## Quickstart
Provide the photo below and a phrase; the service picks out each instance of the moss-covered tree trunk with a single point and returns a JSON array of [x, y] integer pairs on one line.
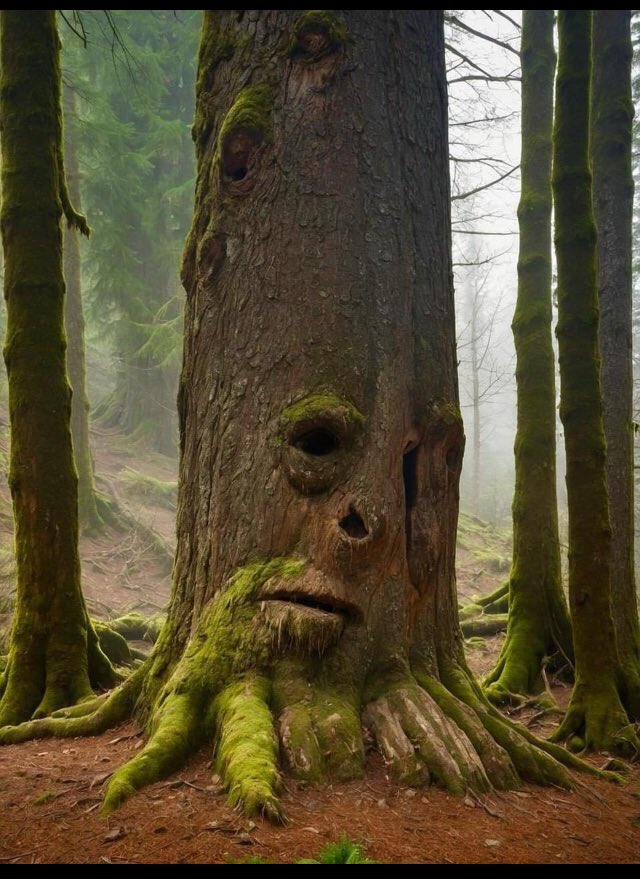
[[611, 139], [596, 717], [89, 516], [539, 625], [53, 655], [321, 440]]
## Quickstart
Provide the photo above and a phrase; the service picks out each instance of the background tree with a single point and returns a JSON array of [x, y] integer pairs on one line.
[[321, 441], [596, 717], [88, 514], [611, 139], [53, 658], [539, 624], [136, 159]]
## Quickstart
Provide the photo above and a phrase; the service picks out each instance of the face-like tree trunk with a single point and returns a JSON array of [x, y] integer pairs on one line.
[[539, 624], [611, 138], [596, 717], [320, 436], [53, 653]]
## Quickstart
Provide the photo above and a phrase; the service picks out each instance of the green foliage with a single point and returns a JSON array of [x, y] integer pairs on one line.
[[135, 107], [345, 851]]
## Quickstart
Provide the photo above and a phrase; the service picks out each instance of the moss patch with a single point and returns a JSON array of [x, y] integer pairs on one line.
[[317, 404]]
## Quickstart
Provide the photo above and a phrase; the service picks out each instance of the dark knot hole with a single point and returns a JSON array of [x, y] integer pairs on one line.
[[353, 525], [318, 442]]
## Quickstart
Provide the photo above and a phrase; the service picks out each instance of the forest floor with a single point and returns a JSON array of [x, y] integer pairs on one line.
[[50, 791]]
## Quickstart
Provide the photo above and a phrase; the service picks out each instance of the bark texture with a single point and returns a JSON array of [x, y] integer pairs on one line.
[[321, 441], [54, 656], [611, 139], [539, 625], [596, 717]]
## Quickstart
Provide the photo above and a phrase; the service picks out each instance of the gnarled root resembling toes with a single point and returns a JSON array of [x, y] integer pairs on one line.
[[246, 750], [420, 743], [318, 725]]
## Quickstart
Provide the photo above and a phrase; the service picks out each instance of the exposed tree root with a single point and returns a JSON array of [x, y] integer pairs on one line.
[[484, 625], [598, 722], [136, 627], [231, 687], [104, 713], [420, 743], [518, 672]]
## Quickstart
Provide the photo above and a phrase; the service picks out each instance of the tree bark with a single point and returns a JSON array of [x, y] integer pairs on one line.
[[611, 139], [321, 440], [53, 654], [539, 625], [596, 717], [89, 517]]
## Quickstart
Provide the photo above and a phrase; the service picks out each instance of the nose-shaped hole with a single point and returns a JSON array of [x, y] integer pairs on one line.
[[353, 525], [318, 442]]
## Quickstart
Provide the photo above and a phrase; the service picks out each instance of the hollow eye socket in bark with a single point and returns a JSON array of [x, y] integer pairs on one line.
[[317, 441], [317, 35], [238, 154]]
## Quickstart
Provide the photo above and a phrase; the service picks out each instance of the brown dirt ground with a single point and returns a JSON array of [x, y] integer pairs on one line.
[[186, 820], [50, 791]]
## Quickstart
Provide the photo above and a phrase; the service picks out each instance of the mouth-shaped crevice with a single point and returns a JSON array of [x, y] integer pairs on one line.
[[353, 525], [323, 603]]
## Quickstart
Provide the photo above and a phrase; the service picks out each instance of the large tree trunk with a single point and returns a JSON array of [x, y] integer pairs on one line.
[[611, 138], [321, 441], [53, 654], [89, 517], [539, 625], [596, 717]]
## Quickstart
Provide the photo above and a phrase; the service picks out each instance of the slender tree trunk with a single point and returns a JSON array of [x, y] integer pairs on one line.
[[74, 324], [475, 390], [539, 625], [596, 717], [53, 653], [321, 440], [611, 138]]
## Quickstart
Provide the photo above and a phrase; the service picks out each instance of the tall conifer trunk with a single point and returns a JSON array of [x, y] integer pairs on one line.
[[539, 625], [611, 138], [596, 717], [53, 654]]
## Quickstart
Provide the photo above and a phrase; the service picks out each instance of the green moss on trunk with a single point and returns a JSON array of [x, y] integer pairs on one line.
[[53, 649], [596, 717], [539, 624]]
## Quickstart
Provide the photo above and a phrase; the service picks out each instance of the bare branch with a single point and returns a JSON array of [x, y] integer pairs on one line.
[[503, 14], [473, 78], [484, 186], [454, 20], [483, 119]]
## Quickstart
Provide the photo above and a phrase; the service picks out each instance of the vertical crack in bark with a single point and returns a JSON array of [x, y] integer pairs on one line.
[[410, 480]]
